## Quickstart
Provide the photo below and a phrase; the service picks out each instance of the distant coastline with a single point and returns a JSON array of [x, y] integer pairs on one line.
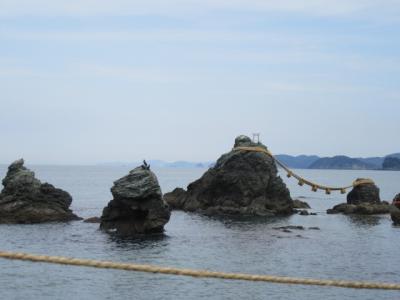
[[339, 162], [389, 162]]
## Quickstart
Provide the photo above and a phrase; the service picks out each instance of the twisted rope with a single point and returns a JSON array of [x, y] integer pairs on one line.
[[302, 181], [196, 273]]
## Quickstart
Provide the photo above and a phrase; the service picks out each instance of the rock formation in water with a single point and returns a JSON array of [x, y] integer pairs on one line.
[[363, 199], [241, 182], [25, 199], [137, 206]]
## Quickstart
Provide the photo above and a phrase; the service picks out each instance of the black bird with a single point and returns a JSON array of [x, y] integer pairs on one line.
[[145, 166]]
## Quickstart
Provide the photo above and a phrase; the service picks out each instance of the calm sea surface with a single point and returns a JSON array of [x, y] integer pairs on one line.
[[351, 248]]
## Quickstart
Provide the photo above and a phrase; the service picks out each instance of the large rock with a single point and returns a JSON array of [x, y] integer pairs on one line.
[[241, 182], [25, 199], [137, 206]]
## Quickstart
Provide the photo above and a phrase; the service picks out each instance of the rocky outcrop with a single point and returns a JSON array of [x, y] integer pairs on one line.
[[363, 199], [25, 199], [137, 206], [241, 182]]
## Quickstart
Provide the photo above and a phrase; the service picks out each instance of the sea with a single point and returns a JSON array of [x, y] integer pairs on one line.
[[363, 248]]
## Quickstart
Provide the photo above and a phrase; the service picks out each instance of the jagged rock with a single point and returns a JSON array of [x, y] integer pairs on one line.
[[92, 220], [25, 199], [300, 204], [241, 182], [364, 193], [137, 206]]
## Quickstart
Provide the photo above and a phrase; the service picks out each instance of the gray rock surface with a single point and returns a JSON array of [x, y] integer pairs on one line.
[[25, 199], [241, 182], [137, 206]]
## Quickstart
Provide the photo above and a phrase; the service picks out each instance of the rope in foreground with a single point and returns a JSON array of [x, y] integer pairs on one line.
[[314, 186], [195, 273]]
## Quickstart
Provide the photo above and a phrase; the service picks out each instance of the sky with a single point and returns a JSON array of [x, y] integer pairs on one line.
[[86, 82]]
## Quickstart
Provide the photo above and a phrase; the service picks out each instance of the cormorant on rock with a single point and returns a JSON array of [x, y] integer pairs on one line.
[[145, 166]]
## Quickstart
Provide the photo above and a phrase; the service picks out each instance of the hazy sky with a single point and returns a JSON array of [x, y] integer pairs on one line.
[[86, 81]]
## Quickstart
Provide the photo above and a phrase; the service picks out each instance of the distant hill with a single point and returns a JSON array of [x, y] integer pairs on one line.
[[375, 161], [297, 162], [391, 163], [395, 155], [342, 162]]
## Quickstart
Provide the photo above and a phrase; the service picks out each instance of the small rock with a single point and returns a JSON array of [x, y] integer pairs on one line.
[[294, 227], [92, 220], [304, 213], [300, 204], [314, 228]]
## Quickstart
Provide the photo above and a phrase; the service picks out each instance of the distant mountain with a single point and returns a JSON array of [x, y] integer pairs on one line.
[[342, 162], [391, 163], [395, 155], [297, 162], [375, 161]]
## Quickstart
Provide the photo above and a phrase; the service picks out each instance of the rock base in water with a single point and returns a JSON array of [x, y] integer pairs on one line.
[[25, 199], [137, 207], [242, 182], [361, 209]]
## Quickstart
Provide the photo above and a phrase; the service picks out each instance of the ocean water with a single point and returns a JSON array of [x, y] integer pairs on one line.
[[345, 247]]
